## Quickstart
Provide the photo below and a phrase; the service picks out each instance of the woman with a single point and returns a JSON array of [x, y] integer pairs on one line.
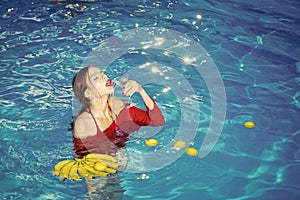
[[104, 123]]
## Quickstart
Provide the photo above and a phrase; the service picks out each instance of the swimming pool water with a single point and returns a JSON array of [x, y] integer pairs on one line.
[[255, 46]]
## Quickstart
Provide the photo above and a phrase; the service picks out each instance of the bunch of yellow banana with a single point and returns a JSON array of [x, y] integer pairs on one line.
[[88, 167]]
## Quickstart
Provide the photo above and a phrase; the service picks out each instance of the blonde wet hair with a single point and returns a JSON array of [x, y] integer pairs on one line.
[[80, 85]]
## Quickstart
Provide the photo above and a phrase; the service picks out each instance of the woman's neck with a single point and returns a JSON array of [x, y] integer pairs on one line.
[[99, 107]]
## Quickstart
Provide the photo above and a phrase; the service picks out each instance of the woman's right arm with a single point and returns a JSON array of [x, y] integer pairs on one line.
[[150, 117]]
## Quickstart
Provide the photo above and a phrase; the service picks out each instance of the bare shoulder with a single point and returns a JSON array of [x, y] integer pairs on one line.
[[84, 126], [116, 104]]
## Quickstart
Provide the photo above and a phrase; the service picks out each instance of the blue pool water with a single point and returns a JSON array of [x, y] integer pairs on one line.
[[255, 46]]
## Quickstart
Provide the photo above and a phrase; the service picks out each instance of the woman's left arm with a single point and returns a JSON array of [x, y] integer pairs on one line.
[[132, 86], [153, 114]]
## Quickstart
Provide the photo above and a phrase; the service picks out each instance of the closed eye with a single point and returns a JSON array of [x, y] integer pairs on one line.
[[99, 76]]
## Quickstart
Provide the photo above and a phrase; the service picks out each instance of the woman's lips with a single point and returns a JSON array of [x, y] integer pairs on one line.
[[108, 83]]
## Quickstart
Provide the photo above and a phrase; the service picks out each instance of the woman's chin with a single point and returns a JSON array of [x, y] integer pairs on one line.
[[111, 89], [107, 91]]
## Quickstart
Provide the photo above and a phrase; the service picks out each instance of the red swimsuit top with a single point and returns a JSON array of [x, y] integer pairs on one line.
[[116, 135]]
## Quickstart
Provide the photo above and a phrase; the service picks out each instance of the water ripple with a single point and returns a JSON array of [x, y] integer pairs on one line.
[[254, 45]]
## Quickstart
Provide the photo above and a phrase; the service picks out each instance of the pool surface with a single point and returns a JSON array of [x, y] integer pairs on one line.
[[253, 44]]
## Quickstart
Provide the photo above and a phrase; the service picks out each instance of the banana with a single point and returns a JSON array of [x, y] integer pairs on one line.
[[79, 159], [110, 164], [96, 163], [90, 163], [101, 157], [64, 172], [102, 161], [87, 167], [94, 171], [59, 166], [83, 171], [99, 166], [92, 160], [110, 170], [73, 172]]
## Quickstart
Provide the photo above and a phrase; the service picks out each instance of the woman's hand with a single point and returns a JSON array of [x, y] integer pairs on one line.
[[131, 87]]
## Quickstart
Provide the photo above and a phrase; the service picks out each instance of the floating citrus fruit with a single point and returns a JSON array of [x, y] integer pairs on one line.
[[249, 124], [191, 151], [179, 144], [151, 142]]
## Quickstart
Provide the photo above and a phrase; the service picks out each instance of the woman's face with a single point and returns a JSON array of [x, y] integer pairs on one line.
[[99, 83]]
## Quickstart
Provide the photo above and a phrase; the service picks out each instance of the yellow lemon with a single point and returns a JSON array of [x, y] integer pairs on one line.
[[191, 151], [99, 166], [151, 142], [249, 124], [179, 144]]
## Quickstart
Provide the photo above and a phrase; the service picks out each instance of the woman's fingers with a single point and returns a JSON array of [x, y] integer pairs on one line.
[[130, 92], [130, 88]]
